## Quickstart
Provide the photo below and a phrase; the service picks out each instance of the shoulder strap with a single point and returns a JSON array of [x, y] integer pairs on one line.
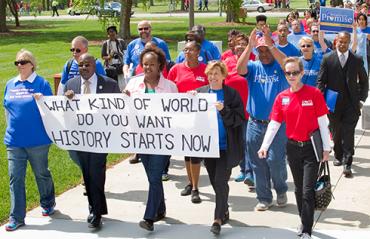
[[69, 65]]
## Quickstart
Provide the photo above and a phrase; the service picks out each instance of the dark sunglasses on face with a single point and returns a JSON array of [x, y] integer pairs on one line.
[[21, 62], [143, 29], [83, 64], [75, 50], [306, 46], [315, 30], [292, 73]]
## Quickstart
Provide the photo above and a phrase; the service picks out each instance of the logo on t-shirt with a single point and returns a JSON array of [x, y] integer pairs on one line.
[[200, 78], [285, 101], [307, 103]]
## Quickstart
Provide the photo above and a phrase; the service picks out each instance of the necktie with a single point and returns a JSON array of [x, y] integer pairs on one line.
[[87, 87], [342, 60]]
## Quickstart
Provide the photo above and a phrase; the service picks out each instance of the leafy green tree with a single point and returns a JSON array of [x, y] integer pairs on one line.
[[232, 8]]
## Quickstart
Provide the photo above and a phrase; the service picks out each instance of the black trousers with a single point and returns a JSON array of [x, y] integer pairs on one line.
[[219, 176], [342, 126], [304, 168], [93, 166]]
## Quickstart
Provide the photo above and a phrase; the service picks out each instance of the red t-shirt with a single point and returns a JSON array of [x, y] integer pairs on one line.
[[140, 70], [226, 54], [300, 111], [187, 78], [237, 82]]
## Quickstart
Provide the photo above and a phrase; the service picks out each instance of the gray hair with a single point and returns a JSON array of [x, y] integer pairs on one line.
[[26, 55]]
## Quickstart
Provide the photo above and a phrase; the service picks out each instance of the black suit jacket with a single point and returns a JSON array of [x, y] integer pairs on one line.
[[233, 119], [104, 85], [357, 81]]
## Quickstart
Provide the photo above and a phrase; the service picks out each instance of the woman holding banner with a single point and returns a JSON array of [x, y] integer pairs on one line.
[[189, 75], [231, 119], [304, 111], [152, 60], [26, 139]]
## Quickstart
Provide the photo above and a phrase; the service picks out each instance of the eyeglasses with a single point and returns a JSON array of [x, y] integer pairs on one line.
[[21, 62], [292, 73], [143, 29], [315, 30], [75, 50], [83, 64], [306, 46]]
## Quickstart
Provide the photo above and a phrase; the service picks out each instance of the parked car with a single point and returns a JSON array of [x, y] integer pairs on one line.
[[84, 10], [256, 5]]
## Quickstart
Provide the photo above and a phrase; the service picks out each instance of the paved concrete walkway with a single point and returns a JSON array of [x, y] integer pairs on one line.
[[126, 190]]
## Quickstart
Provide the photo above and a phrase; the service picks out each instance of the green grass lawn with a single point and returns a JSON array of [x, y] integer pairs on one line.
[[50, 43]]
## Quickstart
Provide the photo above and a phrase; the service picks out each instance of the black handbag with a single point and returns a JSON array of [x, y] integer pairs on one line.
[[323, 193]]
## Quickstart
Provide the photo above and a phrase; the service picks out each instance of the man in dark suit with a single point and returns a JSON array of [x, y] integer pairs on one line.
[[93, 165], [344, 72]]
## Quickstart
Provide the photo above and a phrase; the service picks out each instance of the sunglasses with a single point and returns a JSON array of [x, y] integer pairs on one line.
[[292, 73], [75, 50], [315, 30], [306, 46], [83, 65], [21, 62], [143, 29]]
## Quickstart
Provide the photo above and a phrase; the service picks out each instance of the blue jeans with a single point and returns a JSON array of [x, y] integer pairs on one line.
[[246, 164], [154, 166], [271, 168], [17, 163]]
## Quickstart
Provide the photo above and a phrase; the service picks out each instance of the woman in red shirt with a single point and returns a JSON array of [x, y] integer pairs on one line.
[[303, 109], [189, 75]]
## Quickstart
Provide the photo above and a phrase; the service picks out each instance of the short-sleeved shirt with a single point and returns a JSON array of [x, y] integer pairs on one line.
[[211, 49], [289, 50], [187, 78], [73, 71], [311, 69], [294, 38], [134, 49], [226, 54], [265, 82], [24, 123], [300, 111]]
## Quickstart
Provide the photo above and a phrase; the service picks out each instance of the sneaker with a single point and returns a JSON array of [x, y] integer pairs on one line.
[[165, 177], [306, 236], [187, 190], [281, 200], [249, 181], [240, 177], [48, 211], [13, 225], [263, 206], [195, 196]]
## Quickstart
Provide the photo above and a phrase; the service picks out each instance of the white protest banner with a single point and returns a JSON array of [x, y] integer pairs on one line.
[[166, 124]]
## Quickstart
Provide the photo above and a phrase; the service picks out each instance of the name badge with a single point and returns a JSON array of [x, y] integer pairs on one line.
[[200, 78], [285, 101], [307, 103]]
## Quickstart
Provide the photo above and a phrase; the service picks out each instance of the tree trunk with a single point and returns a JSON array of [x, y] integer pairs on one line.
[[3, 27], [12, 4], [126, 6], [191, 14]]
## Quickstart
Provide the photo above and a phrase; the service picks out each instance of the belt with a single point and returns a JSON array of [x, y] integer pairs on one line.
[[299, 143], [259, 121]]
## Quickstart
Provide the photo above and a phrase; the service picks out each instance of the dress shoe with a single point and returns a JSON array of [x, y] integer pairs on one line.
[[147, 225], [337, 162], [134, 159], [216, 228], [347, 171], [95, 222]]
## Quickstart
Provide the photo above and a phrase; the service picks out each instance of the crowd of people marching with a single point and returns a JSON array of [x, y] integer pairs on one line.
[[270, 87]]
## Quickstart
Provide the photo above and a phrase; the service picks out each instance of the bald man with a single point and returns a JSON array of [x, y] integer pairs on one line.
[[134, 49]]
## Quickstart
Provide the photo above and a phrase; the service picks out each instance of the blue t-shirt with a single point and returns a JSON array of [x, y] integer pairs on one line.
[[294, 38], [203, 57], [134, 49], [73, 71], [211, 49], [318, 49], [25, 127], [222, 137], [265, 82], [289, 50], [311, 69]]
